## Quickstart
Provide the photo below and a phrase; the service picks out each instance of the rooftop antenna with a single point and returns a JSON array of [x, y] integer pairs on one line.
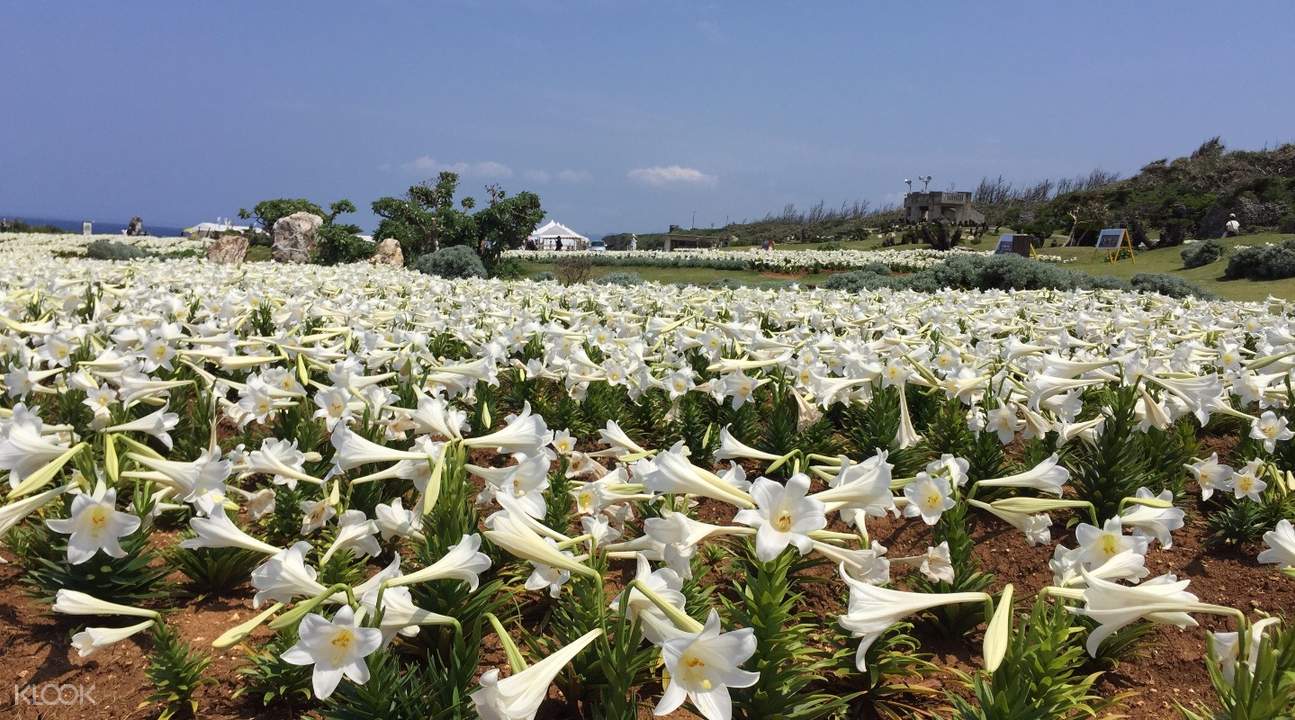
[[926, 180]]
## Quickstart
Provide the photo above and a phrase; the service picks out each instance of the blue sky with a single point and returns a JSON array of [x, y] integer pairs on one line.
[[621, 115]]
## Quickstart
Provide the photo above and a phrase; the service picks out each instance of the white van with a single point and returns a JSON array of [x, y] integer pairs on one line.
[[597, 245]]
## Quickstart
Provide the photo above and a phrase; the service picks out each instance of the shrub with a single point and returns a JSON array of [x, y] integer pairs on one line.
[[109, 250], [1264, 262], [544, 276], [509, 269], [620, 278], [857, 281], [338, 244], [1202, 253], [1168, 285], [456, 261], [574, 270], [1287, 223]]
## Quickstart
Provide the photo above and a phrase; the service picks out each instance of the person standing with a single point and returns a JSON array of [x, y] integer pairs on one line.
[[1232, 227]]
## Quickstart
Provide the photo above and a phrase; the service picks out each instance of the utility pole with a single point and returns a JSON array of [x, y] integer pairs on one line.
[[693, 224]]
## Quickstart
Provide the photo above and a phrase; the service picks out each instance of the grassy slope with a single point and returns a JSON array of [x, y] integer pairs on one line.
[[1086, 260], [693, 276], [1169, 262]]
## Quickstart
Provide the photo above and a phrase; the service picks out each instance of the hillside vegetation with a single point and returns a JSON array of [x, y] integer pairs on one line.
[[1167, 200]]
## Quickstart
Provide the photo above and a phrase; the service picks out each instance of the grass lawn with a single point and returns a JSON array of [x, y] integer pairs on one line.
[[689, 276], [1169, 262]]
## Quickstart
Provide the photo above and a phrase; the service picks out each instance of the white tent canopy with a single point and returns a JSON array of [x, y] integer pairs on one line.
[[546, 237], [221, 225]]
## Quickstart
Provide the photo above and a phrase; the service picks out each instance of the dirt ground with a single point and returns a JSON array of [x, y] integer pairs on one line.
[[35, 644]]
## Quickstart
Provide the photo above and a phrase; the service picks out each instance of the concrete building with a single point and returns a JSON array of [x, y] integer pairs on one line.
[[952, 206]]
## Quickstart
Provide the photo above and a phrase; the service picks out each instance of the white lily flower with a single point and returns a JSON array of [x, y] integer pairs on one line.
[[518, 696], [1096, 546], [285, 576], [1047, 477], [314, 514], [1226, 648], [355, 532], [655, 625], [15, 512], [1162, 599], [861, 486], [526, 433], [516, 537], [1246, 482], [937, 565], [873, 609], [74, 602], [730, 447], [463, 562], [395, 521], [620, 443], [928, 498], [1281, 545], [353, 450], [783, 516], [1211, 475], [23, 449], [703, 666], [671, 472], [158, 424], [1154, 522], [867, 565], [95, 524], [336, 648], [1270, 429], [218, 531], [92, 639]]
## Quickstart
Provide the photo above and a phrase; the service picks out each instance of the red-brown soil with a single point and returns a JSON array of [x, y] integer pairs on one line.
[[35, 645]]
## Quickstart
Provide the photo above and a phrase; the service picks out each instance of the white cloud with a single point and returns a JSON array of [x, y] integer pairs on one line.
[[483, 168], [575, 176], [566, 176], [662, 175]]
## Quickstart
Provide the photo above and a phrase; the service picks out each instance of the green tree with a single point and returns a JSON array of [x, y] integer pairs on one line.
[[427, 218], [267, 212], [336, 242]]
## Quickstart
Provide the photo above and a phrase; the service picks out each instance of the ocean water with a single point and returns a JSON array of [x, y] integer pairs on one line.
[[100, 227]]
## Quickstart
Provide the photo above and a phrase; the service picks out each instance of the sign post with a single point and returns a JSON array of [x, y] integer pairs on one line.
[[1009, 244], [1116, 241]]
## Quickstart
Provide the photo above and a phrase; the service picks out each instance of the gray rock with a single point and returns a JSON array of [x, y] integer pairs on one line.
[[388, 253], [295, 237], [227, 250]]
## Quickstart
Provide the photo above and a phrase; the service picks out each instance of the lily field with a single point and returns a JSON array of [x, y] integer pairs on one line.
[[357, 491]]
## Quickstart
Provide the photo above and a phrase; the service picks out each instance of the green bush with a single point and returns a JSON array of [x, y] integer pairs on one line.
[[1006, 272], [339, 244], [1286, 224], [456, 261], [858, 281], [620, 278], [1202, 253], [109, 250], [1169, 285], [1262, 262], [509, 269], [545, 276]]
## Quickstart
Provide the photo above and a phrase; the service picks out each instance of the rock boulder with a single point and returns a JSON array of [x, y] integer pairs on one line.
[[295, 237], [388, 253], [227, 250]]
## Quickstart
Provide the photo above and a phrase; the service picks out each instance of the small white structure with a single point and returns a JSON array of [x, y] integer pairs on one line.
[[212, 229], [553, 235]]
